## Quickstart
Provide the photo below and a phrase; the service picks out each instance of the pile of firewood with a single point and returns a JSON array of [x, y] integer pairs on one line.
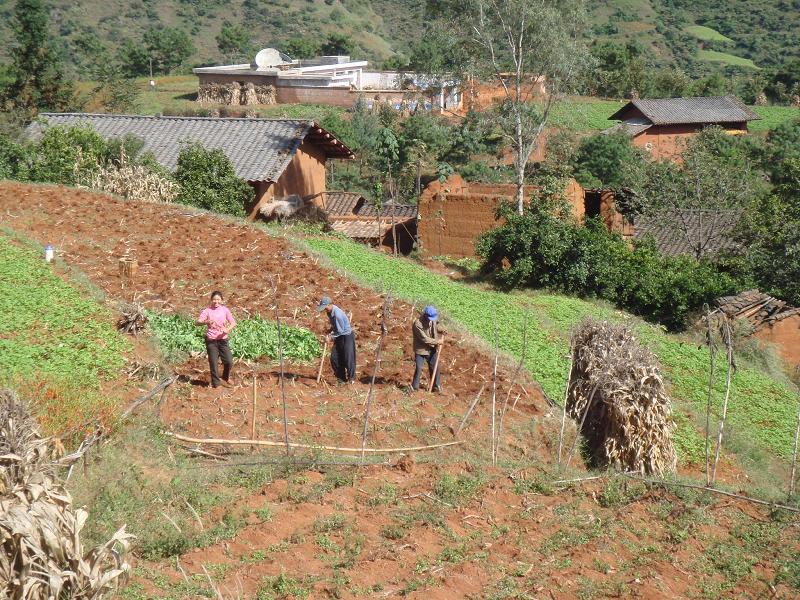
[[617, 396], [235, 94], [42, 557], [132, 318]]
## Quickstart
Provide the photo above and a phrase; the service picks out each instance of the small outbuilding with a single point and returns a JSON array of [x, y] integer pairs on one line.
[[280, 158], [662, 126]]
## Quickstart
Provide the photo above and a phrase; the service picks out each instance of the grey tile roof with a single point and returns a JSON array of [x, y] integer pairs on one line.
[[757, 307], [361, 229], [341, 203], [683, 231], [260, 149], [674, 111]]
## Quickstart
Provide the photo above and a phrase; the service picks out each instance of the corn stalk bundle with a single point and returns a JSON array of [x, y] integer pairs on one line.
[[42, 556], [133, 181], [132, 318], [266, 94], [617, 393]]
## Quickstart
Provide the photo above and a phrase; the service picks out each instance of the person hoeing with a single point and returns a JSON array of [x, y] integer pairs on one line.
[[343, 353], [427, 342]]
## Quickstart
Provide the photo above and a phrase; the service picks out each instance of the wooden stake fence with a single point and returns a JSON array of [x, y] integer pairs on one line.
[[728, 341], [384, 330]]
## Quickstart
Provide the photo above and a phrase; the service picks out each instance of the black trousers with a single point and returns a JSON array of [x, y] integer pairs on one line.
[[219, 349], [343, 357], [419, 363]]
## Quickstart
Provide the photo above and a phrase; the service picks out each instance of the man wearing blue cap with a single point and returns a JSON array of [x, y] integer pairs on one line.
[[427, 341], [343, 353]]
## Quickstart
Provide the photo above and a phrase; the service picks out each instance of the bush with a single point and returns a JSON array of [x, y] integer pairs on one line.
[[67, 155], [207, 180], [544, 249]]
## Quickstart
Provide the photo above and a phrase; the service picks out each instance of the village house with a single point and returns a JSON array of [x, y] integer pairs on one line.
[[352, 215], [279, 158], [662, 126], [274, 78]]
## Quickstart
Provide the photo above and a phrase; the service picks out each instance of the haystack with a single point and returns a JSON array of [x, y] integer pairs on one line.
[[617, 392], [42, 556]]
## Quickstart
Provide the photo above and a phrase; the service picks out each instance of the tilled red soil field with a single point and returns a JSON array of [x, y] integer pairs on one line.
[[434, 525]]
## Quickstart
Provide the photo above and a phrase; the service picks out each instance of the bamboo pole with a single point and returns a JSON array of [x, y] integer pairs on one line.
[[384, 330], [469, 411], [494, 396], [726, 337], [221, 441], [322, 360], [436, 366], [253, 415], [281, 374], [794, 453], [564, 407], [712, 349]]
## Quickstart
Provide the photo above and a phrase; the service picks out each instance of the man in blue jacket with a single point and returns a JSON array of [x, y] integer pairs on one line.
[[343, 353]]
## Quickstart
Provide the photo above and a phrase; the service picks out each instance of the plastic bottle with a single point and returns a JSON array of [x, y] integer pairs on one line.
[[49, 253]]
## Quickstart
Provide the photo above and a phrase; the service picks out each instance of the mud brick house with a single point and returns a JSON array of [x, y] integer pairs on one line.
[[351, 214], [280, 158], [772, 321], [663, 126], [453, 214]]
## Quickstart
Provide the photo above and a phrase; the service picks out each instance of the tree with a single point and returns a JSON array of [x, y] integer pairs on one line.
[[782, 143], [601, 160], [167, 48], [114, 92], [207, 180], [301, 47], [702, 197], [519, 43], [338, 44], [67, 155], [234, 40], [36, 74]]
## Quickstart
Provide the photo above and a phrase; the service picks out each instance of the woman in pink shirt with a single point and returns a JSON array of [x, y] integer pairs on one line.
[[219, 322]]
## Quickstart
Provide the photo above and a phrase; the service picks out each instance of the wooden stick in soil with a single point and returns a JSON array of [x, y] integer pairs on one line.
[[436, 366], [513, 383], [222, 441], [794, 453], [384, 330], [494, 396], [253, 413], [322, 360], [726, 337], [564, 407], [712, 350], [281, 374], [469, 411]]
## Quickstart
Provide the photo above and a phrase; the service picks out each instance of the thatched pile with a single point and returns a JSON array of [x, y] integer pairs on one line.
[[42, 556], [132, 318], [628, 423], [236, 94], [133, 181]]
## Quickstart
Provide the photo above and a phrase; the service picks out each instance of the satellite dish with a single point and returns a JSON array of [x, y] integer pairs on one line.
[[269, 58]]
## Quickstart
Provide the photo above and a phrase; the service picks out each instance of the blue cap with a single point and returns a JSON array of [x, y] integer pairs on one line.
[[325, 301], [431, 313]]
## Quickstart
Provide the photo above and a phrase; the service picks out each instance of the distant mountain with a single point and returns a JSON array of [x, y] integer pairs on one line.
[[695, 35]]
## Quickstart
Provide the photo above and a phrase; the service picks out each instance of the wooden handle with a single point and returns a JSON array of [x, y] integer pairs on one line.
[[322, 360], [435, 367]]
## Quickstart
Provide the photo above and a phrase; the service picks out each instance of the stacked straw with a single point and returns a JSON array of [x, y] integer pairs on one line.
[[132, 181], [616, 391], [42, 556]]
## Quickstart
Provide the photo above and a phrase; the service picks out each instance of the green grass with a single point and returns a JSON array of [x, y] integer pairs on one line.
[[57, 344], [762, 409], [706, 34], [585, 114], [725, 58], [772, 116]]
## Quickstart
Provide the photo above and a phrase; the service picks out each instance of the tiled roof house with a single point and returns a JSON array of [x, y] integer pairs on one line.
[[690, 232], [663, 125], [278, 157]]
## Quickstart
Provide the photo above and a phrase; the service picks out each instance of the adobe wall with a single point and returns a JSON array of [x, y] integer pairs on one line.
[[304, 177], [666, 142], [452, 215], [785, 334]]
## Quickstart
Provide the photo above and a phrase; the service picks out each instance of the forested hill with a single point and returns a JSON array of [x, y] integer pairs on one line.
[[694, 35]]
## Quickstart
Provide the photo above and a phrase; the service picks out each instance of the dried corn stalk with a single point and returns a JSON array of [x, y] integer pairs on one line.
[[132, 318], [618, 394], [134, 182], [42, 556], [236, 94]]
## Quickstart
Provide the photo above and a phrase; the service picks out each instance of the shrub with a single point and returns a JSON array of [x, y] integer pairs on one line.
[[544, 249], [67, 155], [207, 180]]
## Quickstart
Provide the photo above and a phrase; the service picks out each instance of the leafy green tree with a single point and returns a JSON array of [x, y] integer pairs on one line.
[[207, 180], [234, 40], [602, 159], [67, 155], [115, 92], [782, 144], [167, 48], [618, 70], [301, 47], [771, 237], [14, 159], [36, 74], [338, 44]]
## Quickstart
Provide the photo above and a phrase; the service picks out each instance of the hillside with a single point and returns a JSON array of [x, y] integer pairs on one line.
[[696, 36]]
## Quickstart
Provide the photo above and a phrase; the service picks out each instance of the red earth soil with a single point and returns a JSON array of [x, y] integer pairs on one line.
[[504, 534]]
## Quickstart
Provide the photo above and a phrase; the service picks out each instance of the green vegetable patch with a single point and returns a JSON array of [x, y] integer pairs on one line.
[[762, 409], [57, 345], [251, 338]]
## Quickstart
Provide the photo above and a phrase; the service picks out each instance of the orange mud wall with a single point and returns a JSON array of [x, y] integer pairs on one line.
[[304, 177], [785, 334], [453, 214], [667, 142]]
